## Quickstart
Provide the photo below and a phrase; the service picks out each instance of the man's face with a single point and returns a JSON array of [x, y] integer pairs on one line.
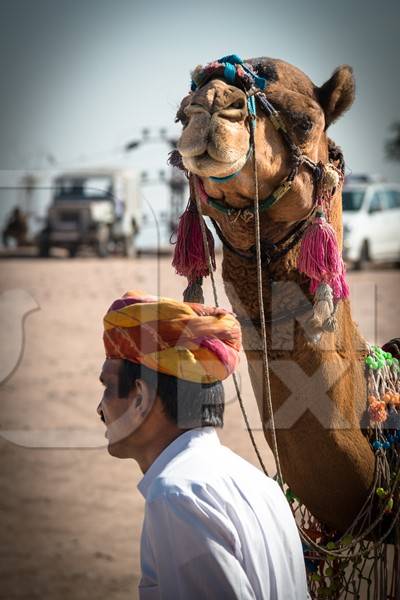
[[122, 416]]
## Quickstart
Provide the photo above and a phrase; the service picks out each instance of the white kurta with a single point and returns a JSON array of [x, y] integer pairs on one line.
[[215, 527]]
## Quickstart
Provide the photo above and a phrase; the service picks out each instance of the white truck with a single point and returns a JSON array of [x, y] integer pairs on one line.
[[99, 208]]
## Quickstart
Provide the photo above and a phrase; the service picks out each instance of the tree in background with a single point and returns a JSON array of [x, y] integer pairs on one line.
[[392, 146]]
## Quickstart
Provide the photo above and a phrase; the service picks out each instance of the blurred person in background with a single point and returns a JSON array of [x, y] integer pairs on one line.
[[16, 227]]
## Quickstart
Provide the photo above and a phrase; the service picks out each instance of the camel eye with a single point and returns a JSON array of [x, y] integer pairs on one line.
[[304, 125], [300, 124]]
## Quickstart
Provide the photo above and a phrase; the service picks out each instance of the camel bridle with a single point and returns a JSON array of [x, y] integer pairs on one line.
[[236, 72], [296, 157]]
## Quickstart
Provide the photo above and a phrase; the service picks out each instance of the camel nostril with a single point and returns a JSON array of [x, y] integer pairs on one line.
[[231, 114], [194, 109], [237, 104]]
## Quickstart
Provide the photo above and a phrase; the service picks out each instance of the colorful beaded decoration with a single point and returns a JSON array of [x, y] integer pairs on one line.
[[383, 383], [337, 564]]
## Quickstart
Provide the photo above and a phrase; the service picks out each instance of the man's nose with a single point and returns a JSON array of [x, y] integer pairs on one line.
[[99, 410]]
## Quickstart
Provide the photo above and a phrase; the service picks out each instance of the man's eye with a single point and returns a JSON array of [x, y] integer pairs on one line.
[[109, 390]]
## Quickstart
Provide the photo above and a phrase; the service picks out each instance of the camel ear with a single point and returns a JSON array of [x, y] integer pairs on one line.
[[337, 94]]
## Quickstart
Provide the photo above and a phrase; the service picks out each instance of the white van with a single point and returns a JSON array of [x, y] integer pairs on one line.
[[371, 222]]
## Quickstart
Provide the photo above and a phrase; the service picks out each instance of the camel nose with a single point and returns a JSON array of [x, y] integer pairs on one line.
[[218, 95], [205, 98]]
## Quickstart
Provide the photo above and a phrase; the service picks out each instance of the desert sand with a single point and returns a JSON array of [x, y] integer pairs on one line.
[[71, 514]]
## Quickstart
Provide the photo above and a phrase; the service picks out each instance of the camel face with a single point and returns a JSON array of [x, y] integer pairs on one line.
[[215, 139]]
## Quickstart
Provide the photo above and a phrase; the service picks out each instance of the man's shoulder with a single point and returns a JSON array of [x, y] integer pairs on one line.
[[190, 475], [190, 509], [168, 486], [193, 475]]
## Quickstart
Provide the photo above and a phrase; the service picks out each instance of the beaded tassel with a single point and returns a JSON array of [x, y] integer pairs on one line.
[[319, 257], [324, 308]]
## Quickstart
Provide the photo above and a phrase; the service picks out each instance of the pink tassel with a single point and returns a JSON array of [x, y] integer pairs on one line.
[[320, 259], [189, 256], [339, 285]]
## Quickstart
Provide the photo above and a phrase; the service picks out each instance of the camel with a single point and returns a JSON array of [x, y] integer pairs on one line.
[[325, 457]]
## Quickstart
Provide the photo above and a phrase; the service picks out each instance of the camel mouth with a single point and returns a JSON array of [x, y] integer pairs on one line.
[[207, 165], [206, 155]]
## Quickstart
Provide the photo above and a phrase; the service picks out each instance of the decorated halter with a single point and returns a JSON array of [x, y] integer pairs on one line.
[[319, 257], [236, 72]]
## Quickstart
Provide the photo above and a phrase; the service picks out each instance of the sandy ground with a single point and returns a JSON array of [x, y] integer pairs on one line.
[[71, 515]]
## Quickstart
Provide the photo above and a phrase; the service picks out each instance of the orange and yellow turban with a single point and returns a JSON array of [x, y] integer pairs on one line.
[[190, 341]]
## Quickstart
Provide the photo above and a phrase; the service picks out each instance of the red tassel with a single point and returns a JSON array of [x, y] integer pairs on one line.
[[190, 258], [320, 259]]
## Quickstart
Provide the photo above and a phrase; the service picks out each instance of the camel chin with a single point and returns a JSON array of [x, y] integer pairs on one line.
[[206, 166]]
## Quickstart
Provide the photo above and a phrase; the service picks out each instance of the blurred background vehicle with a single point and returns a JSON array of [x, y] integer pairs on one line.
[[99, 208], [371, 221]]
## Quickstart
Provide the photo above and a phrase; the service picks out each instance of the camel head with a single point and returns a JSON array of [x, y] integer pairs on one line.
[[215, 140]]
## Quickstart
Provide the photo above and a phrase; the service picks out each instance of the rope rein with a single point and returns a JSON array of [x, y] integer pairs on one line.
[[337, 564], [365, 512], [352, 547], [267, 390], [215, 295]]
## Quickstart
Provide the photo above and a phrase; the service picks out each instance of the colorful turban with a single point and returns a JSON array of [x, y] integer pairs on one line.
[[191, 341]]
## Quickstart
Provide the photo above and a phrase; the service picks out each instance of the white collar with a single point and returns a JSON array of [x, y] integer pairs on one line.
[[194, 437]]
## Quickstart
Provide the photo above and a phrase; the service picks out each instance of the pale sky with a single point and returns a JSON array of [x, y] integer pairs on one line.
[[82, 77]]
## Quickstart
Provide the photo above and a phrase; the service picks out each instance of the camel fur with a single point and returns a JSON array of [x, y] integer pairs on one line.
[[325, 457]]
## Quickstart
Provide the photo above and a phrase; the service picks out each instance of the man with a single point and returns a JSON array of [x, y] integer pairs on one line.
[[215, 527], [16, 227]]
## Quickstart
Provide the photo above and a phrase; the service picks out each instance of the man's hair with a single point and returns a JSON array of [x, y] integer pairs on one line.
[[188, 404]]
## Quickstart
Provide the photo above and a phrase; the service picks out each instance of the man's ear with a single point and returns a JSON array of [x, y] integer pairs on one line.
[[337, 94], [137, 407], [142, 396]]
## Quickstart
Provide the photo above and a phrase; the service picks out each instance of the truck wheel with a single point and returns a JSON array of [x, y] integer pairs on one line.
[[44, 247], [364, 259], [128, 247], [102, 241], [44, 251]]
